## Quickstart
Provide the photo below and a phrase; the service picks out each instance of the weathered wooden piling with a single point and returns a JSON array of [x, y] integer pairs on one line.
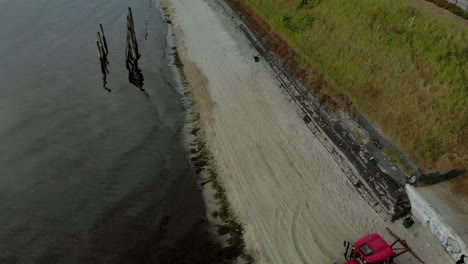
[[104, 39], [103, 51], [130, 15], [129, 50], [101, 58], [132, 44], [99, 50], [132, 55]]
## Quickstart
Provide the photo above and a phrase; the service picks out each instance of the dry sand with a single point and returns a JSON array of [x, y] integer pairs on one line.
[[296, 203]]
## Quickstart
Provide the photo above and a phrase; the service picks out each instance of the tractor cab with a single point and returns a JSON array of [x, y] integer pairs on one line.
[[373, 249]]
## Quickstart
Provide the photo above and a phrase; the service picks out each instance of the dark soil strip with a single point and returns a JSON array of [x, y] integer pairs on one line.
[[451, 7]]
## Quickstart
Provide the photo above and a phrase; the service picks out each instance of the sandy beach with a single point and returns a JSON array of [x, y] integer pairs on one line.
[[295, 202]]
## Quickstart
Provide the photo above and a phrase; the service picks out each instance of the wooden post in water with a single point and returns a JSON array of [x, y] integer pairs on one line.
[[99, 50], [103, 52], [102, 47], [132, 44], [130, 14], [104, 39], [101, 58], [132, 55]]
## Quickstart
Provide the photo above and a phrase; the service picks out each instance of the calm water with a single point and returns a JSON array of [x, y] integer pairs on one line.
[[88, 176]]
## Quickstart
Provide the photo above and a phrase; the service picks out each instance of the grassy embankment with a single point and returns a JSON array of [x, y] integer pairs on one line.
[[406, 70]]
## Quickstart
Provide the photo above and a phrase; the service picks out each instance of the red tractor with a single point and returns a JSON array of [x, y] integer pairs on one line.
[[373, 249]]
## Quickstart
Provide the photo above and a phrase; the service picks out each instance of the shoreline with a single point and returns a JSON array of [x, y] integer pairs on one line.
[[225, 131], [226, 230]]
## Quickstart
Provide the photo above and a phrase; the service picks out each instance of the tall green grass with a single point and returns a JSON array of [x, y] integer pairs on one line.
[[406, 70]]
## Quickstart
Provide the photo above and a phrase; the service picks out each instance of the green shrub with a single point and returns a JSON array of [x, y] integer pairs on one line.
[[298, 23]]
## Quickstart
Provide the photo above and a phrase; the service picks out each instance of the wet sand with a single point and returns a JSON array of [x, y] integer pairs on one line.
[[295, 202]]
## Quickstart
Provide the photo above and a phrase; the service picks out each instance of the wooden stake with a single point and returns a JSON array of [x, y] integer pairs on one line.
[[130, 45], [99, 49], [131, 29], [104, 39], [132, 23], [101, 60], [100, 40]]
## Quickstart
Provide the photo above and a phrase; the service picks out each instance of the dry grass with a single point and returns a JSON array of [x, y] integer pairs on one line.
[[406, 70]]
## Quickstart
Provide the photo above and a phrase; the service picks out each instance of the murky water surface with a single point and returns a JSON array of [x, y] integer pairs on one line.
[[86, 175]]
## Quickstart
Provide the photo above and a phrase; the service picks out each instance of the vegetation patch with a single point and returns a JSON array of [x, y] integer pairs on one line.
[[405, 70], [308, 4], [299, 23], [396, 159], [230, 225], [180, 66]]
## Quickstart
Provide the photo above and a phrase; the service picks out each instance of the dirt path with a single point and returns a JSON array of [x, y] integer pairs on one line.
[[295, 202]]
